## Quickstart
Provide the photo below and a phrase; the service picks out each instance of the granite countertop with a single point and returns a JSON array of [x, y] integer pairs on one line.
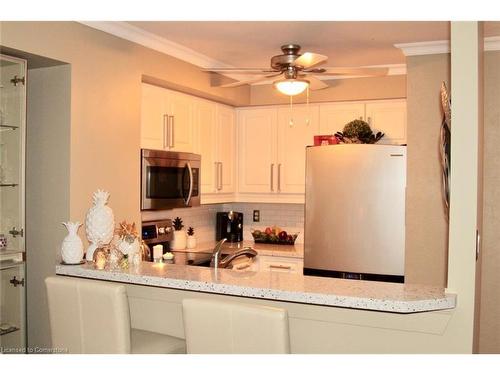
[[290, 251], [356, 294]]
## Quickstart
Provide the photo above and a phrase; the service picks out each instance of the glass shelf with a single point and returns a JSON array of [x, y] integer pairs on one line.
[[8, 330], [8, 127]]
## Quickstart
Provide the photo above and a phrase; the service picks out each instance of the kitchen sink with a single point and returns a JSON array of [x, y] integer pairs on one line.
[[199, 259]]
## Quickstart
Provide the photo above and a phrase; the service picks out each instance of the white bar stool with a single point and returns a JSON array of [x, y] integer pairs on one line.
[[88, 316], [213, 326]]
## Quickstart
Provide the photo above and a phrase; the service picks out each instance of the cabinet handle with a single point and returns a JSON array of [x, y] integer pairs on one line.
[[361, 117], [16, 282], [216, 187], [172, 134], [369, 121], [219, 176], [279, 177], [279, 266], [165, 131], [272, 177], [15, 232]]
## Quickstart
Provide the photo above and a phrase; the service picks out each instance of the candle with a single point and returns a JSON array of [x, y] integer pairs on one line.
[[157, 252], [100, 258]]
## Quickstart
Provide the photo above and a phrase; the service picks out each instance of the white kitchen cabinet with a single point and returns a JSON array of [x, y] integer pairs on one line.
[[215, 131], [257, 150], [167, 119], [386, 116], [205, 129], [389, 117], [271, 149], [296, 131], [334, 116], [181, 112], [226, 149], [153, 118]]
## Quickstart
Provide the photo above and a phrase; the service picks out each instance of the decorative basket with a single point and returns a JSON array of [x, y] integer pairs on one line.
[[273, 238]]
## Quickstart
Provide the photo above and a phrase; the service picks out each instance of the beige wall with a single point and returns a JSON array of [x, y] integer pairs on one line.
[[47, 187], [489, 337], [426, 234], [426, 225], [390, 87]]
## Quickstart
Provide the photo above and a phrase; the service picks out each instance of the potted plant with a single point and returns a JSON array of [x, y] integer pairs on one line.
[[179, 241], [191, 239], [358, 131]]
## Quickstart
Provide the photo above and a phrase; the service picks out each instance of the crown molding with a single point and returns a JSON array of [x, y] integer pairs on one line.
[[137, 35], [491, 43], [424, 48]]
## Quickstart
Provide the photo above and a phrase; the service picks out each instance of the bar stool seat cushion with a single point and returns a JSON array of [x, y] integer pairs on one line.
[[145, 342]]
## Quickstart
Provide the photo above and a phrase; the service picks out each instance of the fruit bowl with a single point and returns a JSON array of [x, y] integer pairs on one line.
[[274, 236]]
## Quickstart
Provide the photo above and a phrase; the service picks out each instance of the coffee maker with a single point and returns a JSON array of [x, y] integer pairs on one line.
[[230, 226]]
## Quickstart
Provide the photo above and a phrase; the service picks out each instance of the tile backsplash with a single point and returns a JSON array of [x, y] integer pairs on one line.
[[201, 218], [290, 217]]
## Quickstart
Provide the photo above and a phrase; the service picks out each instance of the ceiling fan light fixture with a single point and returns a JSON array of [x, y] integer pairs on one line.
[[291, 87]]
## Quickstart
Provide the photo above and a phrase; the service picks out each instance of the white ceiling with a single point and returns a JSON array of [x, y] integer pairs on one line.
[[252, 43]]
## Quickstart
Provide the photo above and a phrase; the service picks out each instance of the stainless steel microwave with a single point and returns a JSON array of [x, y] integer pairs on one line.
[[169, 179]]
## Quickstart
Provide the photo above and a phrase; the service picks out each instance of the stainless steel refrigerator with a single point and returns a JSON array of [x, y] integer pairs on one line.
[[355, 211]]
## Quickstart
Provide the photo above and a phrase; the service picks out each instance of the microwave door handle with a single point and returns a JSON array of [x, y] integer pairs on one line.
[[190, 183]]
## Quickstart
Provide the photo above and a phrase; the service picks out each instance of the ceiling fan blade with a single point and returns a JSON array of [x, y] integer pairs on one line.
[[373, 72], [250, 81], [315, 83], [240, 70], [309, 59]]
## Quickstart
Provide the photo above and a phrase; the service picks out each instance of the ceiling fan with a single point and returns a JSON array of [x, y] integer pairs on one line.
[[298, 71]]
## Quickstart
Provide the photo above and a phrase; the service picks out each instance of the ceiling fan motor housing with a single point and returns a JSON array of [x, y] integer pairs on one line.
[[290, 54]]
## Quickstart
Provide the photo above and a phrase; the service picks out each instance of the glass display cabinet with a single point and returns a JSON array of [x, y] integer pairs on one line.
[[12, 200]]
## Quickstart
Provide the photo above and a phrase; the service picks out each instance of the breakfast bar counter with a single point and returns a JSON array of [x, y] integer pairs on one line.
[[296, 288]]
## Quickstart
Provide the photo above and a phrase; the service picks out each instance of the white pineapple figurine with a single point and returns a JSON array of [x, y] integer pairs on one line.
[[72, 246], [99, 223]]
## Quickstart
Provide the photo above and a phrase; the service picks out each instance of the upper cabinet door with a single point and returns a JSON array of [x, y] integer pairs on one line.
[[226, 150], [257, 150], [153, 117], [181, 112], [205, 130], [296, 130], [334, 116], [389, 117]]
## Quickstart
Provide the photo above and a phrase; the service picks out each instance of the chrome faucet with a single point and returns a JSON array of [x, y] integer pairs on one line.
[[217, 262], [216, 254], [246, 251]]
